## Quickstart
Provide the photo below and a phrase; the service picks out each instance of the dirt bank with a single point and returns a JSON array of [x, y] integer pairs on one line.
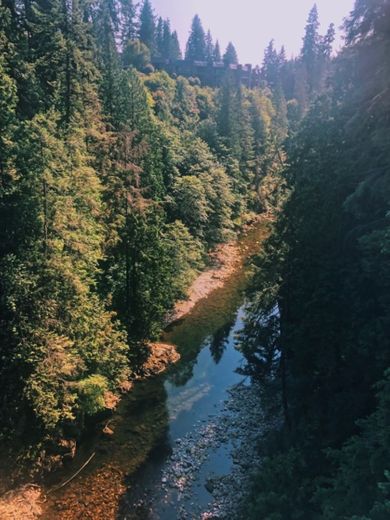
[[224, 260], [105, 486]]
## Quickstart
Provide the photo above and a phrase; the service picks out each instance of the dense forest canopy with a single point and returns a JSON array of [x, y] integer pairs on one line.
[[116, 180], [319, 328]]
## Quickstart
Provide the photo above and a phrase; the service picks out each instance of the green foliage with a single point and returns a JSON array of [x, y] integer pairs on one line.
[[196, 45], [136, 54], [147, 28], [114, 185], [230, 57], [90, 393], [319, 326]]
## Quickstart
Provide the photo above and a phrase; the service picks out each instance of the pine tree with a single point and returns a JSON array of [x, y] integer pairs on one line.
[[230, 57], [270, 70], [196, 44], [175, 47], [310, 49], [209, 47], [217, 52], [147, 28], [128, 21], [159, 37], [107, 57], [167, 40], [327, 41]]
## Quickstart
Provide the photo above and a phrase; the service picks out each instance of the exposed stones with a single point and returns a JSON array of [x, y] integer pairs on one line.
[[237, 427]]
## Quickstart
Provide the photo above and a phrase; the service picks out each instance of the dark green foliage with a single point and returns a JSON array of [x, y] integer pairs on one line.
[[319, 327], [136, 54], [175, 51], [147, 27], [196, 46], [128, 21], [115, 181], [209, 47], [230, 57], [217, 52]]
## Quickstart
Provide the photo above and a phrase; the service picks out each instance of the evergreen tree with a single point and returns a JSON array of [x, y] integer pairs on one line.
[[175, 47], [128, 21], [271, 67], [209, 47], [217, 53], [230, 57], [196, 44], [310, 48], [159, 38], [147, 26], [327, 42], [167, 40], [104, 22]]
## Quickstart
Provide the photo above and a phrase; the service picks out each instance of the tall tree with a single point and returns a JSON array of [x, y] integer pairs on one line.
[[128, 21], [310, 48], [196, 44], [147, 26], [217, 52], [230, 57], [159, 37], [209, 47], [175, 47], [271, 67]]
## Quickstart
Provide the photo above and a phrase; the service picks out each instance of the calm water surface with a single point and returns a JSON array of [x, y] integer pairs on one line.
[[166, 408]]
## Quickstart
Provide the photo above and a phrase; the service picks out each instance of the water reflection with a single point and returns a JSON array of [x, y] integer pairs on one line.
[[160, 410], [219, 342]]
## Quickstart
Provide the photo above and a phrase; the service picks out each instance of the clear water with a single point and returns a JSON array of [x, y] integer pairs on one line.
[[166, 408]]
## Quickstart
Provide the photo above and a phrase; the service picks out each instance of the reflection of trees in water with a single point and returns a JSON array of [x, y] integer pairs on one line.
[[212, 317], [197, 337], [216, 314], [220, 340]]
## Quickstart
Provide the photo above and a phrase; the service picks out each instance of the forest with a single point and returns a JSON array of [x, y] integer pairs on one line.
[[117, 180]]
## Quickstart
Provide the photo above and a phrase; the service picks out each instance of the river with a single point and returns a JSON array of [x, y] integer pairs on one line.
[[171, 435]]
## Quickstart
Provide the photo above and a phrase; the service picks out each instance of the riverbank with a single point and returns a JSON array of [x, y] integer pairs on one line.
[[123, 445], [232, 432], [27, 502], [224, 260]]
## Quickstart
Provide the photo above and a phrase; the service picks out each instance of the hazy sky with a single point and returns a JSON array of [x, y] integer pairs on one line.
[[251, 24]]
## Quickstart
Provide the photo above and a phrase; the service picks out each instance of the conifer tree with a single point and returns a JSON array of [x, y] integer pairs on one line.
[[128, 21], [196, 44], [209, 47], [310, 49], [159, 38], [217, 52], [147, 26], [327, 41], [175, 47], [270, 70], [230, 57], [166, 40]]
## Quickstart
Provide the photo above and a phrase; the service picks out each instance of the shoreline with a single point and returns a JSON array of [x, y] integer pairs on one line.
[[225, 259]]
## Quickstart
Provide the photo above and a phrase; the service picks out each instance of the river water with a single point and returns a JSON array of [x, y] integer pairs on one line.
[[168, 435]]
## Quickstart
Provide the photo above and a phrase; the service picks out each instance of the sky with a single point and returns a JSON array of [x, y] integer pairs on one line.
[[251, 24]]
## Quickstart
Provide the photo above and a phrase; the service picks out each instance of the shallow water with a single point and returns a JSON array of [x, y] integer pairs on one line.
[[159, 412]]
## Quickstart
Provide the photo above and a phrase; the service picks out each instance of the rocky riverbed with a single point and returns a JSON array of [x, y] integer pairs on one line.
[[186, 488]]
